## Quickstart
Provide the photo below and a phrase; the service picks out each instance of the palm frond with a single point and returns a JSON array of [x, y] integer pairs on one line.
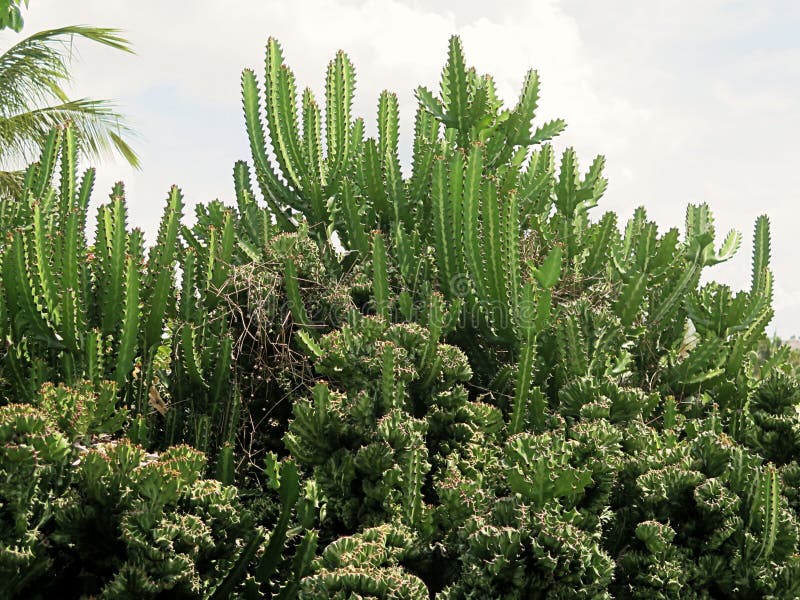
[[33, 71], [11, 184], [32, 97], [100, 128], [11, 15]]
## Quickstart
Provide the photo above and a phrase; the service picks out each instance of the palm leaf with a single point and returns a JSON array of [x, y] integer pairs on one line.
[[99, 126], [33, 73]]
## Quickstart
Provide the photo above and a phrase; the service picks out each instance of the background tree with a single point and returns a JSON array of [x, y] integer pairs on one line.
[[33, 73], [10, 15]]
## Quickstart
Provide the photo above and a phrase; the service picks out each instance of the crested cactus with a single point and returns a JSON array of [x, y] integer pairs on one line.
[[33, 458], [365, 565], [108, 518], [707, 517], [367, 448]]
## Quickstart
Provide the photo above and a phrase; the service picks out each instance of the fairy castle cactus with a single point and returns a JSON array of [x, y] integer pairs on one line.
[[71, 310]]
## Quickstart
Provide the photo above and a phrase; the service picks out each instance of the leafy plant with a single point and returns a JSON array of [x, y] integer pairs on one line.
[[10, 14], [455, 383], [33, 72]]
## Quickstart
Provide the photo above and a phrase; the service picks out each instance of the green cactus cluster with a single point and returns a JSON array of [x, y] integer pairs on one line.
[[85, 515], [107, 518], [588, 344], [381, 425], [454, 380], [70, 310], [703, 515], [365, 565]]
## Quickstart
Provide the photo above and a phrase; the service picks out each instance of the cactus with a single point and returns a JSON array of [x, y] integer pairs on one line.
[[392, 452], [107, 309], [310, 177], [203, 345], [365, 563], [457, 382], [109, 518], [731, 508], [33, 457]]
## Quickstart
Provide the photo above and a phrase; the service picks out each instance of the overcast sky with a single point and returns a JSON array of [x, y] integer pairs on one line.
[[690, 101]]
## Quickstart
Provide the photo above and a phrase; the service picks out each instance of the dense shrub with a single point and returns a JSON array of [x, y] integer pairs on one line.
[[110, 519], [460, 381]]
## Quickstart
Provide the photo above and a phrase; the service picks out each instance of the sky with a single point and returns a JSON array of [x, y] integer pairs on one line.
[[689, 100]]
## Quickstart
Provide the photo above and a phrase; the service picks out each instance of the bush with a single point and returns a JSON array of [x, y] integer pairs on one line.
[[110, 520], [461, 382]]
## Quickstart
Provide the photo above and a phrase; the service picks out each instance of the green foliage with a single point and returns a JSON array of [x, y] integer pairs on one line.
[[178, 532], [34, 73], [10, 14], [775, 431], [453, 383], [270, 287], [283, 476], [311, 175], [71, 310], [775, 354], [110, 519]]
